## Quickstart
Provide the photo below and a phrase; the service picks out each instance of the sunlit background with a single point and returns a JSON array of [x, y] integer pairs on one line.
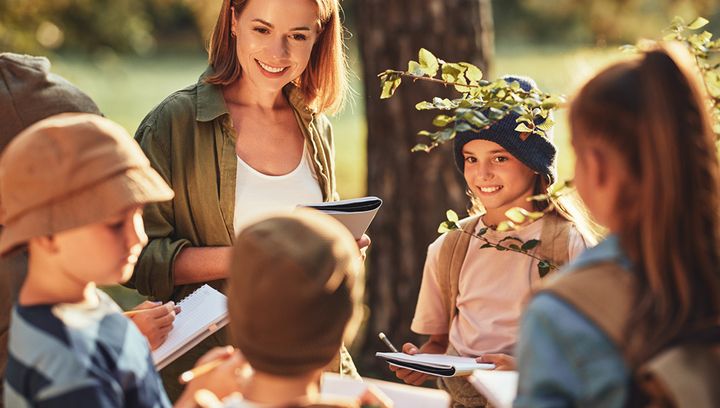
[[130, 54]]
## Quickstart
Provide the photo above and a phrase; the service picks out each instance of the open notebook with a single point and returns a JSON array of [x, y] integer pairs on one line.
[[440, 365], [402, 396], [203, 312], [499, 387], [356, 214]]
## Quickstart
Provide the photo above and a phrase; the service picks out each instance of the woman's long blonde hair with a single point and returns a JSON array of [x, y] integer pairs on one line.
[[324, 83], [653, 112]]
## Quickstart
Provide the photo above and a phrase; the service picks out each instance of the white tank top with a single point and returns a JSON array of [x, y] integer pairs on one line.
[[258, 194]]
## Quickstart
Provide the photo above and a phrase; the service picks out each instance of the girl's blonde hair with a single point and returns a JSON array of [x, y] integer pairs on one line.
[[323, 84], [652, 112]]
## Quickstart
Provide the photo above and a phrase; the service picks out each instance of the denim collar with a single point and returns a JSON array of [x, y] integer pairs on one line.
[[609, 250]]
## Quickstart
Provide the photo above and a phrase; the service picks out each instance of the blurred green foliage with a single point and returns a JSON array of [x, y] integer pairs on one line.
[[143, 26]]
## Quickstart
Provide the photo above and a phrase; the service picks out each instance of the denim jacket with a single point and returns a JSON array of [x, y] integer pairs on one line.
[[564, 360]]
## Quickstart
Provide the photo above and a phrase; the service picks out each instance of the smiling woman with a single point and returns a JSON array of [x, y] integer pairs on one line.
[[248, 138]]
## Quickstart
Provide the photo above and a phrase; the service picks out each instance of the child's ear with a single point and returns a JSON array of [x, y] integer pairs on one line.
[[46, 243]]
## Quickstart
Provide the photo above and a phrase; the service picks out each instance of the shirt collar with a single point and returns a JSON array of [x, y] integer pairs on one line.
[[609, 250], [211, 104]]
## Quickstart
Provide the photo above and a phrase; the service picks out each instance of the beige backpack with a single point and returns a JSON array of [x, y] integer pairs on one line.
[[553, 246], [684, 375]]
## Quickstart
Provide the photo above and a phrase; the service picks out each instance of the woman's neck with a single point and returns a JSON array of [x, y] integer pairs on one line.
[[244, 93], [266, 388]]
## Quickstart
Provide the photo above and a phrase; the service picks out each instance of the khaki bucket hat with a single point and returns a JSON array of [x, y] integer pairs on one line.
[[68, 171]]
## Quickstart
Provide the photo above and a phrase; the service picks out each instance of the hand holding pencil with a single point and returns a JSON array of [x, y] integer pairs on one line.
[[218, 371], [154, 320]]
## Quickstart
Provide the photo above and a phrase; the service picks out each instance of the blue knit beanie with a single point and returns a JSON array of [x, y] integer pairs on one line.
[[536, 152]]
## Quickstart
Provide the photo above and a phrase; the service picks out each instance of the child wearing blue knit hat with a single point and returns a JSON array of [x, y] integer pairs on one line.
[[472, 295]]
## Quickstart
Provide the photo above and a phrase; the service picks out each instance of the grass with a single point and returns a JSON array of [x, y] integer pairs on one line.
[[127, 88]]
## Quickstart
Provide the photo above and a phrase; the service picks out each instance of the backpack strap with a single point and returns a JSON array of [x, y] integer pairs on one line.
[[681, 375], [555, 239], [602, 292], [451, 258]]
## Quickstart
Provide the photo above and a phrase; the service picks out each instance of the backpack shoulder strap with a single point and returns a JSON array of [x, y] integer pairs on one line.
[[602, 292], [451, 257], [555, 239]]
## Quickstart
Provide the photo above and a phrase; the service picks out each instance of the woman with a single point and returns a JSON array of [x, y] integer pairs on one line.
[[248, 138]]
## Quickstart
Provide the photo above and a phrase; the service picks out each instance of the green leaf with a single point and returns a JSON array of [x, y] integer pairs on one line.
[[482, 231], [452, 216], [699, 22], [514, 247], [522, 128], [389, 86], [444, 227], [486, 246], [543, 268], [500, 248], [505, 226], [428, 62], [472, 73], [546, 125], [415, 69], [442, 120], [421, 147], [452, 72], [516, 215], [528, 245], [424, 105]]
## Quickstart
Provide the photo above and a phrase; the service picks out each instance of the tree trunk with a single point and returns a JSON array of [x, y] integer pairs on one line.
[[417, 188]]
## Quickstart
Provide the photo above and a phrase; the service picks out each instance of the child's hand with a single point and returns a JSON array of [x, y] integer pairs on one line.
[[155, 320], [503, 362], [410, 376], [221, 381]]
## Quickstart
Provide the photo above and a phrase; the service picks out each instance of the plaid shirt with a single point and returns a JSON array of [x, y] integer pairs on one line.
[[79, 356]]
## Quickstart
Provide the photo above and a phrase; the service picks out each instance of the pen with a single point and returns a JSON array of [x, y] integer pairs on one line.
[[385, 340]]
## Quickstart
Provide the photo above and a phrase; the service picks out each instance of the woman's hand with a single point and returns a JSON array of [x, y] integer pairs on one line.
[[363, 243], [155, 320], [503, 362]]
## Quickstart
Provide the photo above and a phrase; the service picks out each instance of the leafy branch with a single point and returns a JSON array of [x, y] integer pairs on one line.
[[481, 102], [706, 52], [513, 244]]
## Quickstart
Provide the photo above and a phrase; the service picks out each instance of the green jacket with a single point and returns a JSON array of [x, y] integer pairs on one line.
[[190, 141]]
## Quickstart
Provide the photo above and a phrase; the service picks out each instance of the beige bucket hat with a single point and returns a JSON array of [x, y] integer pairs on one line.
[[71, 170]]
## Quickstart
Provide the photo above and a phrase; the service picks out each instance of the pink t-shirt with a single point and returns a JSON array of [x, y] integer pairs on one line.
[[493, 290]]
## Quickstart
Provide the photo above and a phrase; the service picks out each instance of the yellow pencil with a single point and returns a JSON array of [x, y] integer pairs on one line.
[[131, 313], [190, 375]]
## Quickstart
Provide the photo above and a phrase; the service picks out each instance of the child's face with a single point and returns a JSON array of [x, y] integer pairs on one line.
[[498, 179], [274, 40], [105, 252]]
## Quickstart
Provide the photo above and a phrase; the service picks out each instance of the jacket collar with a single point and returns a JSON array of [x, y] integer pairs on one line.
[[211, 104]]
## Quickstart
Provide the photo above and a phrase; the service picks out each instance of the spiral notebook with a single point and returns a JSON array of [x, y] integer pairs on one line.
[[203, 312]]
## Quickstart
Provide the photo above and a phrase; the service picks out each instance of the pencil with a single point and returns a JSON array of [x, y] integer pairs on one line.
[[387, 342], [131, 313], [190, 375]]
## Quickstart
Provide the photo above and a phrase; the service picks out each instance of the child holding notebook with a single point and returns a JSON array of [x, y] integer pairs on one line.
[[472, 296], [72, 189]]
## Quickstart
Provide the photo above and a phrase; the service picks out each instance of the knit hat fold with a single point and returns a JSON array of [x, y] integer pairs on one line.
[[535, 151]]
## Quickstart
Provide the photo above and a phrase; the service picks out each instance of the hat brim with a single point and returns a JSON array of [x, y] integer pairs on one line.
[[91, 204]]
